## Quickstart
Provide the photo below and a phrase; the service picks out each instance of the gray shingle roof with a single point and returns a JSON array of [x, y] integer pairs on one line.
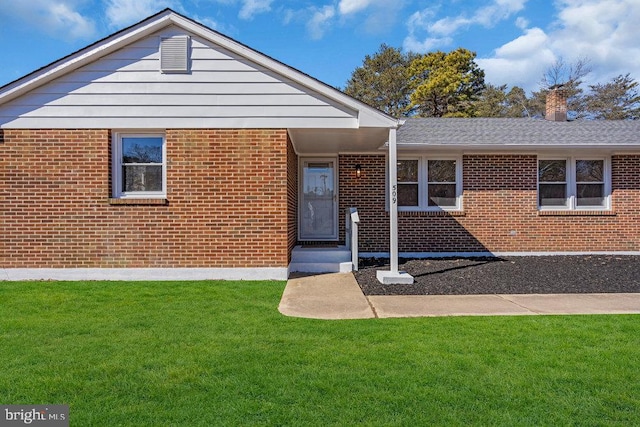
[[496, 132]]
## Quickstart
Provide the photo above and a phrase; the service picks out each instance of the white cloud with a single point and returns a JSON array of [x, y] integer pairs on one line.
[[225, 28], [121, 13], [320, 21], [352, 6], [380, 16], [448, 26], [368, 16], [487, 17], [521, 62], [441, 31], [411, 44], [77, 25], [524, 46], [60, 18], [254, 7], [248, 8], [522, 23], [604, 31]]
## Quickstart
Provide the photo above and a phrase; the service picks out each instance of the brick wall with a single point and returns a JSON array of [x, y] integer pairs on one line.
[[500, 211], [226, 191], [366, 193], [292, 196]]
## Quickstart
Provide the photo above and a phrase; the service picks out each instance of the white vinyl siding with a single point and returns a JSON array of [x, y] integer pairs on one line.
[[126, 89]]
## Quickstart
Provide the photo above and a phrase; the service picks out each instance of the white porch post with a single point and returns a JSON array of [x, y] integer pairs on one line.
[[393, 276], [393, 200]]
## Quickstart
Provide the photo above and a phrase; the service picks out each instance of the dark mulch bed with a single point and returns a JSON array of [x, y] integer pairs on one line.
[[507, 275]]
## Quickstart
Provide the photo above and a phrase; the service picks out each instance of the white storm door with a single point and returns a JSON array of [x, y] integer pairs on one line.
[[318, 209]]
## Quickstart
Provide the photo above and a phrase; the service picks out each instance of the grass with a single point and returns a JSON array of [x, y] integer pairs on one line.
[[219, 353]]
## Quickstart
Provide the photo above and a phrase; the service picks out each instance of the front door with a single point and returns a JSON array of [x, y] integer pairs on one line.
[[318, 209]]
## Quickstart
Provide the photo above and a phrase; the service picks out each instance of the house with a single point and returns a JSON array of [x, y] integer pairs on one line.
[[169, 151]]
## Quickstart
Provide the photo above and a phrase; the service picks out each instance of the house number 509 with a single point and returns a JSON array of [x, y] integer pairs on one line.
[[394, 194]]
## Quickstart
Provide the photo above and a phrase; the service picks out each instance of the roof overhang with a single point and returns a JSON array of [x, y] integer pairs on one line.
[[331, 141], [520, 148]]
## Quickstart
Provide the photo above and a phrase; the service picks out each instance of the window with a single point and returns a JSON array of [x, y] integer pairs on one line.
[[139, 165], [441, 185], [573, 183], [426, 184], [552, 186], [408, 194], [590, 183]]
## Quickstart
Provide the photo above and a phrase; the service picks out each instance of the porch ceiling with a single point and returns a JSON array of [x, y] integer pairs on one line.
[[331, 141]]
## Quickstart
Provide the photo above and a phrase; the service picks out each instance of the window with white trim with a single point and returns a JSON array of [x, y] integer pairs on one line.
[[429, 184], [574, 183], [139, 165]]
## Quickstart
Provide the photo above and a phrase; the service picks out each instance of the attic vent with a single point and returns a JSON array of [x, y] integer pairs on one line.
[[174, 54]]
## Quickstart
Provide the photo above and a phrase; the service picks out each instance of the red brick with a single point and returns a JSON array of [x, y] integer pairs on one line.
[[226, 206]]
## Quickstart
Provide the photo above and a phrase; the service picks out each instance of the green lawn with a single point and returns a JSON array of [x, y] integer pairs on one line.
[[219, 353]]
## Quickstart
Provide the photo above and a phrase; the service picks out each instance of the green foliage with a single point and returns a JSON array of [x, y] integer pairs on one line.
[[381, 81], [439, 84], [495, 101], [219, 353], [445, 84], [615, 100]]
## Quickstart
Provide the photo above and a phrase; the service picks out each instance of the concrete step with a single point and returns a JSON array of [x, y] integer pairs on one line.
[[321, 267], [321, 260]]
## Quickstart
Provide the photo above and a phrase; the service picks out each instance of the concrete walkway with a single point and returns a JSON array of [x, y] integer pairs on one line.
[[338, 296]]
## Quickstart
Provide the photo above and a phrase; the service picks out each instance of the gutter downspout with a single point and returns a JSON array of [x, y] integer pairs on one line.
[[393, 277]]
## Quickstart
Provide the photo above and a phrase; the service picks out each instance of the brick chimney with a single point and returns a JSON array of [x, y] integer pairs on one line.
[[556, 110]]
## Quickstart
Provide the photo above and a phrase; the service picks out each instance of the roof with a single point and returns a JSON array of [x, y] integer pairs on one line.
[[367, 115], [483, 133]]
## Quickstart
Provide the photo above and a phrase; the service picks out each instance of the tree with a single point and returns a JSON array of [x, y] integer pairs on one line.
[[616, 100], [381, 81], [518, 103], [495, 101], [570, 77], [492, 101], [561, 73], [445, 84]]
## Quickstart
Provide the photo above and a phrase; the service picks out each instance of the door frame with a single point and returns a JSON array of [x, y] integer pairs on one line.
[[336, 197]]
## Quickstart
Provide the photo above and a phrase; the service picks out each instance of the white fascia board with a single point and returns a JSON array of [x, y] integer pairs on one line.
[[514, 148]]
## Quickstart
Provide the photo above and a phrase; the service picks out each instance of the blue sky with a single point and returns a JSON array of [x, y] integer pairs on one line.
[[515, 40]]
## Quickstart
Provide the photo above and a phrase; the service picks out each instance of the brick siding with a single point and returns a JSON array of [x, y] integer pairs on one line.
[[228, 202], [500, 211], [366, 193], [232, 200], [292, 197]]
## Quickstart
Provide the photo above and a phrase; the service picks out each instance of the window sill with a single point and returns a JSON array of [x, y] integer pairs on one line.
[[114, 201], [576, 213], [431, 213]]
